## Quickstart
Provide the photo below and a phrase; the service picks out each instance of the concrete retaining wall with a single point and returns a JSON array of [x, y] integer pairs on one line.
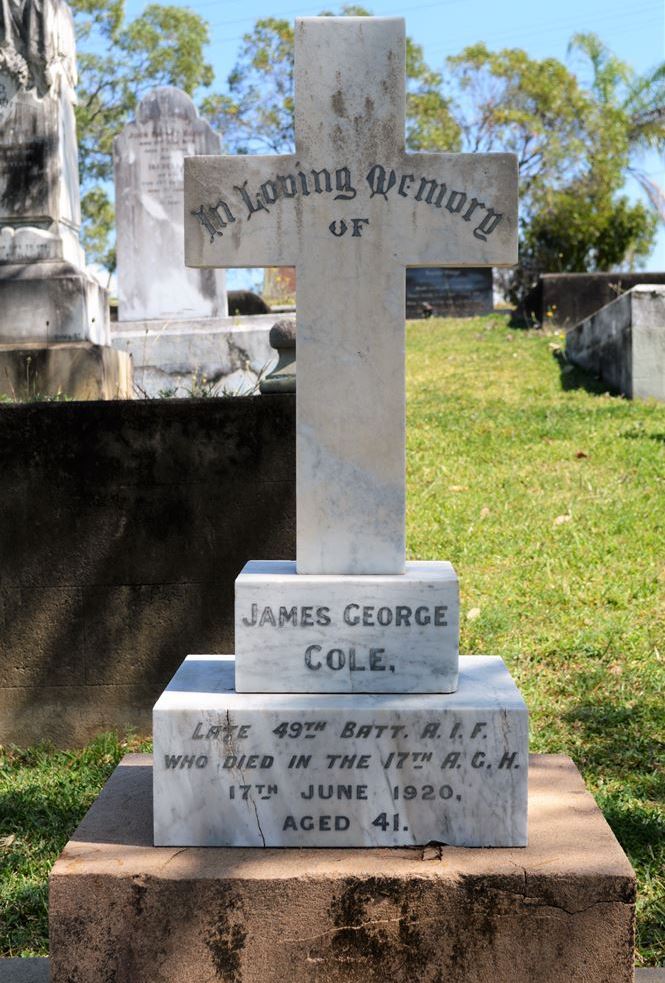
[[122, 528], [624, 343], [227, 355], [571, 297]]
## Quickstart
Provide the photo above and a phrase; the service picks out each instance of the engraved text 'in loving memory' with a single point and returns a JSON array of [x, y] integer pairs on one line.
[[381, 182]]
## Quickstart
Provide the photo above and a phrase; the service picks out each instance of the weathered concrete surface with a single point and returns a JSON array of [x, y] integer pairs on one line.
[[560, 911], [227, 353], [624, 343], [78, 370], [565, 299], [123, 526]]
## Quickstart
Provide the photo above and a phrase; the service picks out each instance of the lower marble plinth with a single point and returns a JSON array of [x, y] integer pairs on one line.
[[339, 770], [561, 910]]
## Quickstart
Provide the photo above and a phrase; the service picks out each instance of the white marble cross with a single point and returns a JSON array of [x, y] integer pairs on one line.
[[350, 209]]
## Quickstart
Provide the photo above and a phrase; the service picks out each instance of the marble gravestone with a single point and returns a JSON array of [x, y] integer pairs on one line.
[[46, 293], [54, 314], [313, 735], [173, 320], [148, 161]]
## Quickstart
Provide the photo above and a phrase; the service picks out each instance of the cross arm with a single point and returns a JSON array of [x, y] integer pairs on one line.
[[242, 211], [462, 208]]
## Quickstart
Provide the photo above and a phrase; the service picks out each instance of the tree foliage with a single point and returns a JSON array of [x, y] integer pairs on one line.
[[576, 140], [577, 134], [506, 101], [257, 113], [119, 62]]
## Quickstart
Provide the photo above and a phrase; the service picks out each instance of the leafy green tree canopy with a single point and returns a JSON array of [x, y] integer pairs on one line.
[[577, 138], [256, 115], [577, 134]]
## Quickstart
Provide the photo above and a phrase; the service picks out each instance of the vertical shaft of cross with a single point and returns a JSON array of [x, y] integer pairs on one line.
[[351, 210], [350, 108]]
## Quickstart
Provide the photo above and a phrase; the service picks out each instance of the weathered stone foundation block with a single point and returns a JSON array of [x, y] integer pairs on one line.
[[78, 370], [559, 911], [48, 302], [624, 343]]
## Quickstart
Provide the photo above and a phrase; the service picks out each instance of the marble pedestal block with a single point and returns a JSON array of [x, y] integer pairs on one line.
[[322, 633], [561, 910], [339, 770]]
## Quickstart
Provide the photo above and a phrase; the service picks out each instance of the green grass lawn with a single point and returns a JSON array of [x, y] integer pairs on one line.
[[549, 497]]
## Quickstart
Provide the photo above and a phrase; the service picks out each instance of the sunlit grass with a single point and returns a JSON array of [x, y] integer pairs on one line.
[[549, 498]]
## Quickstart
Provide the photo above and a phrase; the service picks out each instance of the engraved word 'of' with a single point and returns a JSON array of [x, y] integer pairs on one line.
[[340, 228]]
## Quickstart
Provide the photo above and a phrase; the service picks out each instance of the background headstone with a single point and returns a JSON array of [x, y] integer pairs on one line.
[[47, 295], [437, 292], [38, 151], [148, 157], [624, 343], [565, 299]]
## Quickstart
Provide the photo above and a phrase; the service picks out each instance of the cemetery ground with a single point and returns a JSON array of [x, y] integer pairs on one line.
[[548, 495]]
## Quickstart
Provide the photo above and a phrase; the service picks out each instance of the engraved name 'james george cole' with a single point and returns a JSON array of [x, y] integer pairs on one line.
[[351, 209], [355, 634]]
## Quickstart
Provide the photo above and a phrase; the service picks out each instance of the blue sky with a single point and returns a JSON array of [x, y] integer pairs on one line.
[[634, 31]]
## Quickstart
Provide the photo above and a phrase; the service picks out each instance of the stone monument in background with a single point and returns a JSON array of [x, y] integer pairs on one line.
[[148, 161], [436, 292], [50, 304], [173, 320]]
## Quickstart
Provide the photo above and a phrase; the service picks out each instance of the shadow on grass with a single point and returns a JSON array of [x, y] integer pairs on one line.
[[623, 747], [620, 742], [573, 377], [522, 319], [25, 921], [639, 830]]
